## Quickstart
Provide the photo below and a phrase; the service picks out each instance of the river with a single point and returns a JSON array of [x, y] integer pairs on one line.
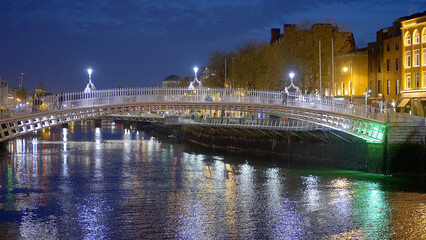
[[111, 183]]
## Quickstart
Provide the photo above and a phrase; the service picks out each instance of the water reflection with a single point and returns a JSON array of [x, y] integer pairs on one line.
[[283, 219], [311, 193], [98, 183]]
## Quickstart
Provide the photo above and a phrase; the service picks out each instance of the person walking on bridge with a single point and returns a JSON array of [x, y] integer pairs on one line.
[[284, 96]]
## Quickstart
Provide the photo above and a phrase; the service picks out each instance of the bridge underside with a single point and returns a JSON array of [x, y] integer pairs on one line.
[[326, 135], [369, 130]]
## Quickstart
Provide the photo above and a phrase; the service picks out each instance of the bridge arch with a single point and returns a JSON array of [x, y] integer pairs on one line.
[[367, 129]]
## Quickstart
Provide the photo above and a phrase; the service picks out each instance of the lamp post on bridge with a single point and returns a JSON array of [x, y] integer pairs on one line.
[[291, 76], [90, 86], [366, 95], [195, 73], [89, 71], [191, 84]]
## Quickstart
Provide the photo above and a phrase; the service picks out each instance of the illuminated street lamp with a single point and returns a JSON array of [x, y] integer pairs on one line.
[[345, 69], [89, 71], [90, 86], [366, 93], [196, 79], [291, 76], [195, 71], [191, 84]]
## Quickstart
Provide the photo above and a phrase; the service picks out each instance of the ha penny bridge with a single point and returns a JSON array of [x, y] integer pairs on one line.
[[255, 108]]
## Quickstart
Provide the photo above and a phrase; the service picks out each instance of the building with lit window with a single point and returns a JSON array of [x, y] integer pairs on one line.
[[309, 47], [351, 76], [384, 66], [413, 72]]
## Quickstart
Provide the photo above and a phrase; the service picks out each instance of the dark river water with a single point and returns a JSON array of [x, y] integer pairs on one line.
[[111, 183]]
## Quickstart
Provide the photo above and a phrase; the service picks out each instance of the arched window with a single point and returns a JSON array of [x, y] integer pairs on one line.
[[408, 39], [424, 35], [416, 37]]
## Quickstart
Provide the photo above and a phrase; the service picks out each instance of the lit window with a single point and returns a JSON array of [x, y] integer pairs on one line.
[[407, 59], [424, 79], [335, 89], [397, 86], [424, 56], [416, 57], [408, 80], [417, 79], [388, 87], [424, 35], [416, 38], [408, 39]]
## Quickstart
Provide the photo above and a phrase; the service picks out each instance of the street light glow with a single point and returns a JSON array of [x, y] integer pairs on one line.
[[89, 87], [195, 69], [345, 69], [291, 75]]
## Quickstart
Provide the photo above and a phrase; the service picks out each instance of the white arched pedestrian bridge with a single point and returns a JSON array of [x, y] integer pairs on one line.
[[325, 112]]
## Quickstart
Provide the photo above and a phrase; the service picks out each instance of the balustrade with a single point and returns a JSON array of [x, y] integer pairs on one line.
[[222, 95]]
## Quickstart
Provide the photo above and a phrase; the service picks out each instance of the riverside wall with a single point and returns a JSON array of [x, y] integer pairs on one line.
[[325, 149]]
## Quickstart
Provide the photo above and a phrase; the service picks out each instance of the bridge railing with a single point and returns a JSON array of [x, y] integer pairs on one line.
[[272, 124], [224, 95]]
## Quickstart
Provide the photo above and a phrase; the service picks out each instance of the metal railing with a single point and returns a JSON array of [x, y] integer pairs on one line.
[[220, 95], [267, 124]]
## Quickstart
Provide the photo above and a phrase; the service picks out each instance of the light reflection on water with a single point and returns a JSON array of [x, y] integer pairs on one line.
[[92, 183]]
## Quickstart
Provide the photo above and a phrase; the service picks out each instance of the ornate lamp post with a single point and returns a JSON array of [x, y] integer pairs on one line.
[[196, 79], [191, 84], [291, 76], [366, 95], [89, 71], [90, 86]]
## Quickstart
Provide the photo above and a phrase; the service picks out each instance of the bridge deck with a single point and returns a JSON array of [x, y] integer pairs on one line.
[[359, 120]]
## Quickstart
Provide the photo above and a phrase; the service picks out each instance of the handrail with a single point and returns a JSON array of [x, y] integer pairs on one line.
[[223, 95]]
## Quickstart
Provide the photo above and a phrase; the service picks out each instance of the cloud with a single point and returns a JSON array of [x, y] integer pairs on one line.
[[105, 17], [199, 19]]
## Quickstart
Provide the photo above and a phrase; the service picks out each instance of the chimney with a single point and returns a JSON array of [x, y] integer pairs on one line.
[[275, 35]]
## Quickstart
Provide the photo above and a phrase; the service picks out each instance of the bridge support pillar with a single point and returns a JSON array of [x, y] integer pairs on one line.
[[404, 147], [126, 125], [98, 123]]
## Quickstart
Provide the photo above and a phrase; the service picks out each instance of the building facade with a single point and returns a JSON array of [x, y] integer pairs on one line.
[[351, 76], [384, 66], [413, 73], [172, 81], [309, 50]]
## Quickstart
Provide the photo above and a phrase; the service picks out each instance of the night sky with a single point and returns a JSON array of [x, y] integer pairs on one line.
[[139, 43]]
